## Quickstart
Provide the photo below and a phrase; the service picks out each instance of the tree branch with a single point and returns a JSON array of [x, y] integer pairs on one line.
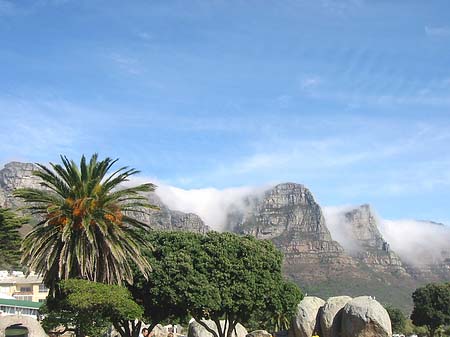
[[203, 324]]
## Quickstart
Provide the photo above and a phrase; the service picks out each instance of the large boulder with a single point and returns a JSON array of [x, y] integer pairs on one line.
[[331, 316], [365, 317], [197, 330], [305, 321], [33, 326]]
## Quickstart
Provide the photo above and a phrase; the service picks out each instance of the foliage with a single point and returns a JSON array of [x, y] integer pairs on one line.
[[398, 319], [216, 276], [10, 239], [432, 306], [89, 308], [86, 221], [164, 295]]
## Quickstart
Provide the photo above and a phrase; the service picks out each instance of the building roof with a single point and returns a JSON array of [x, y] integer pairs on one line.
[[21, 304], [32, 279]]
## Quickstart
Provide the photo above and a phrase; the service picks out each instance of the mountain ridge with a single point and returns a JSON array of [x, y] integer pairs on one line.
[[288, 215]]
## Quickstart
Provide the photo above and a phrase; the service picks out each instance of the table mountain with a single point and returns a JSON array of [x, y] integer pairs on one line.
[[19, 175]]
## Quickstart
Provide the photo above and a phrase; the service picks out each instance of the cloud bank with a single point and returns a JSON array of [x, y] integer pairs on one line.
[[416, 242], [211, 204]]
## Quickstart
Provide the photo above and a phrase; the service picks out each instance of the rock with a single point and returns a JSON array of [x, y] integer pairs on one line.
[[365, 317], [20, 175], [33, 326], [259, 333], [158, 331], [167, 219], [289, 216], [360, 236], [196, 330], [331, 316], [306, 321], [16, 175]]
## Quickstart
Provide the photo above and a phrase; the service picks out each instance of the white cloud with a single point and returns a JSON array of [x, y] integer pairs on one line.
[[310, 82], [211, 204], [440, 31], [127, 64], [416, 242]]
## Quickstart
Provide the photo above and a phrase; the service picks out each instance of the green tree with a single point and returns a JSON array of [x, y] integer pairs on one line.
[[90, 308], [166, 294], [10, 239], [88, 227], [398, 319], [215, 276], [432, 306]]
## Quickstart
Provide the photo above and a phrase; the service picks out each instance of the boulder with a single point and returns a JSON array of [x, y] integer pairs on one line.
[[331, 316], [365, 317], [259, 333], [33, 326], [306, 321], [196, 330]]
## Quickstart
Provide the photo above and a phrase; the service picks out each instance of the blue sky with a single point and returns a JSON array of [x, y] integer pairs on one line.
[[349, 97]]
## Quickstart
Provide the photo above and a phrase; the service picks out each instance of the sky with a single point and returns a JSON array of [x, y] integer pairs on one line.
[[350, 98]]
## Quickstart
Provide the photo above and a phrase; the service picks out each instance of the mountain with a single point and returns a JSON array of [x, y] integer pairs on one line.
[[19, 175], [288, 215], [368, 245], [353, 259]]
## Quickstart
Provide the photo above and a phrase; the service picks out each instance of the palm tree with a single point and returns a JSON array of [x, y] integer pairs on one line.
[[88, 227]]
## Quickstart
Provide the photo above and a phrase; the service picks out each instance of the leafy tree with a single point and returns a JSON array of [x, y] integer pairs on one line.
[[432, 306], [88, 227], [10, 239], [398, 319], [215, 276], [165, 294], [89, 308]]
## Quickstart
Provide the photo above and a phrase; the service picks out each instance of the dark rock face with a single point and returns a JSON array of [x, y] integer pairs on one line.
[[290, 217], [167, 219]]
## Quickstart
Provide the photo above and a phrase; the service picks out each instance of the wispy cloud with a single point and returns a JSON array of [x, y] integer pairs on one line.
[[310, 82], [6, 8], [36, 129], [425, 242], [128, 64], [439, 31]]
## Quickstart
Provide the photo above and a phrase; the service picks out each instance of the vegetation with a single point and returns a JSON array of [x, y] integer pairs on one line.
[[90, 308], [432, 307], [216, 276], [10, 239], [398, 319], [87, 228]]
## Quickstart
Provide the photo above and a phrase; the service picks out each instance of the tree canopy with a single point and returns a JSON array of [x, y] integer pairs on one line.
[[86, 227], [432, 306], [90, 308], [10, 239], [398, 319], [215, 276]]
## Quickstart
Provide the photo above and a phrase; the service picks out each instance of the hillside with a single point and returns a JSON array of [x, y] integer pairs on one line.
[[287, 214]]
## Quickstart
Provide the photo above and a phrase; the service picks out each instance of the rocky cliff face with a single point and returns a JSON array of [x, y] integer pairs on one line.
[[15, 175], [370, 246], [19, 175], [167, 219], [290, 217]]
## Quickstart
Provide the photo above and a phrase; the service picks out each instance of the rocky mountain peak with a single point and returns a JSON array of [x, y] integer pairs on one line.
[[363, 225], [16, 175]]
